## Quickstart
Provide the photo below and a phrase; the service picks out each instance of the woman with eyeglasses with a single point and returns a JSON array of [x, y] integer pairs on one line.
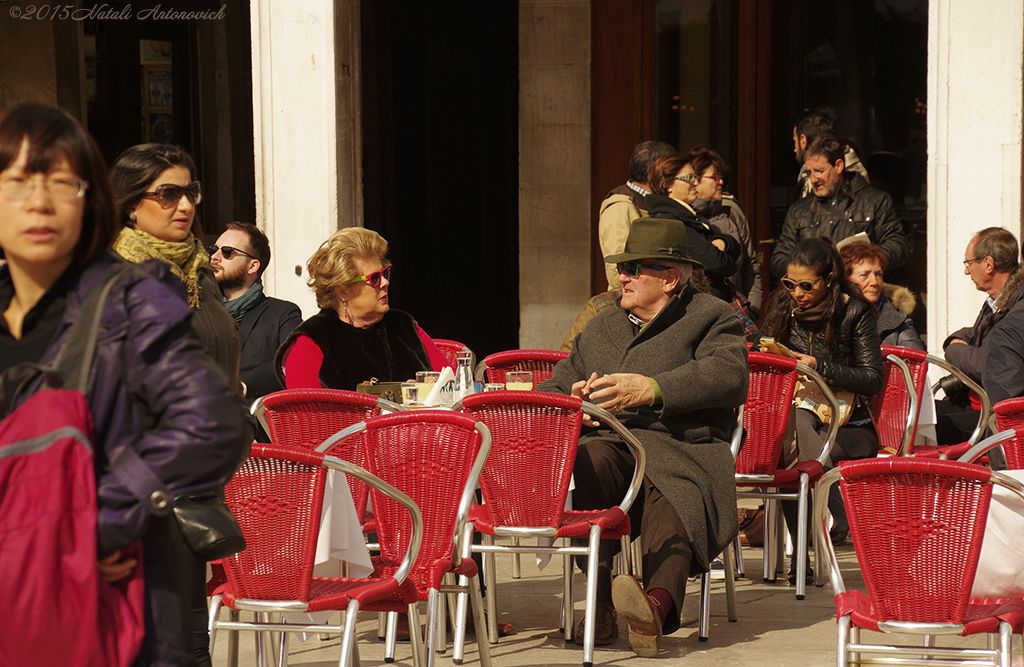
[[824, 319], [157, 194], [151, 388], [674, 189], [356, 335], [725, 216]]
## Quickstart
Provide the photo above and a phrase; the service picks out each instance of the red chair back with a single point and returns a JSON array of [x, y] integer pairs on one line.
[[533, 449], [1010, 414], [277, 496], [431, 456], [892, 404], [306, 417], [539, 362], [766, 412], [917, 526], [449, 348]]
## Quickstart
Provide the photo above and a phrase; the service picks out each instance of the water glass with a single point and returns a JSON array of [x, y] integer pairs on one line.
[[410, 393], [519, 380]]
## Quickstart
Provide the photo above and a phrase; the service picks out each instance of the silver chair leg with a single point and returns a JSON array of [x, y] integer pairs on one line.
[[567, 606], [382, 625], [348, 636], [705, 607], [589, 625], [484, 647], [730, 585], [415, 636], [433, 606], [738, 546], [459, 624], [517, 568], [491, 577], [391, 636], [800, 548], [625, 555]]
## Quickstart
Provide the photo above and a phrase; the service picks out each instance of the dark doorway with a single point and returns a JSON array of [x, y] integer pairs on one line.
[[441, 170]]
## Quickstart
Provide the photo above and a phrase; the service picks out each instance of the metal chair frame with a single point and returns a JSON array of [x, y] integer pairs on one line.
[[958, 616], [459, 551], [540, 362], [764, 474], [900, 397], [351, 593], [985, 414], [560, 520]]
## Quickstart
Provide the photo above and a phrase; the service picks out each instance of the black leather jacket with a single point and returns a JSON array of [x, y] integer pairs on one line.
[[858, 208], [856, 363]]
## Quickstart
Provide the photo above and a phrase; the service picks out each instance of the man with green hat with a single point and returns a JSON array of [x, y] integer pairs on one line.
[[671, 363]]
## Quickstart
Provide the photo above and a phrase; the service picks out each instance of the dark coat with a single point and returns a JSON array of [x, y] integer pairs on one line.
[[215, 328], [894, 324], [695, 350], [718, 265], [970, 358], [153, 388], [262, 330], [391, 350], [1003, 376], [858, 208], [726, 217]]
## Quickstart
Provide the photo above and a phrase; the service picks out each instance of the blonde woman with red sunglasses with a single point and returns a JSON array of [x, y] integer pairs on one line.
[[356, 335]]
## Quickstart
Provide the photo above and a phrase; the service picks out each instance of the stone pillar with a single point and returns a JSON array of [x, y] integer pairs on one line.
[[554, 168], [975, 99], [299, 75]]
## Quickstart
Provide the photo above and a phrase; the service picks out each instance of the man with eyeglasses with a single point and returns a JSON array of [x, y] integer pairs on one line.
[[239, 258], [625, 203], [842, 206], [671, 363], [991, 261], [809, 127]]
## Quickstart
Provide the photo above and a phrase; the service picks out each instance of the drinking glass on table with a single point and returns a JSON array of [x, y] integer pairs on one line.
[[426, 381], [519, 380], [410, 393]]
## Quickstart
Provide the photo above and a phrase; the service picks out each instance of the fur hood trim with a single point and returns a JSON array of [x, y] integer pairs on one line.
[[901, 298], [1015, 280]]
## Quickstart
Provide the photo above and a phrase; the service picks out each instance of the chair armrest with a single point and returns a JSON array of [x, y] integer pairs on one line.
[[912, 413], [639, 453], [469, 493], [986, 404], [259, 411], [985, 445], [737, 435], [820, 526], [833, 424], [416, 539]]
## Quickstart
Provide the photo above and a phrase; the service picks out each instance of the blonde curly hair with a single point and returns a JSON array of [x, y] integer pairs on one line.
[[333, 265]]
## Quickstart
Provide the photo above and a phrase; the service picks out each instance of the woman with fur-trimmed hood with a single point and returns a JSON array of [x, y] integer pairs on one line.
[[865, 263]]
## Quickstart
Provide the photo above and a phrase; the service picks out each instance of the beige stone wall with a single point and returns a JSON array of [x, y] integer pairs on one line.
[[554, 168]]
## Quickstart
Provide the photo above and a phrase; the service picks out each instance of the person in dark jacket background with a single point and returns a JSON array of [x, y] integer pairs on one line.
[[152, 387], [843, 205], [823, 318]]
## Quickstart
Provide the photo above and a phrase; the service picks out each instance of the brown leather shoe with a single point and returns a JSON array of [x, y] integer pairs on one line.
[[606, 627], [641, 612]]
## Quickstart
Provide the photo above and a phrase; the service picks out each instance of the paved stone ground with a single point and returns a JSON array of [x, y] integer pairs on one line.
[[773, 629]]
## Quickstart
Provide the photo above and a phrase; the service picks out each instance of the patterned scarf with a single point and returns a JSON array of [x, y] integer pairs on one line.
[[184, 257], [243, 304]]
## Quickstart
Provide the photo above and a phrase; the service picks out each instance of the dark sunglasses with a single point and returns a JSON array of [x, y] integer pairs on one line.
[[632, 269], [804, 285], [374, 278], [169, 195], [226, 251]]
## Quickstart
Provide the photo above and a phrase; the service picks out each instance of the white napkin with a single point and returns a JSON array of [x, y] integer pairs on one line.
[[433, 399]]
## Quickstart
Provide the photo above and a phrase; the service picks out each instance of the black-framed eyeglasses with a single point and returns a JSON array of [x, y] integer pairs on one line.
[[804, 285], [375, 278], [169, 195], [968, 262], [687, 178], [227, 251], [632, 269], [18, 188]]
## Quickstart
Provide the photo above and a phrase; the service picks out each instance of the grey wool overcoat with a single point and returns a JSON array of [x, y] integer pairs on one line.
[[695, 350]]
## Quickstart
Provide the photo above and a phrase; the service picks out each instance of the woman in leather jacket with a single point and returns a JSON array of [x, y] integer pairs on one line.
[[825, 320]]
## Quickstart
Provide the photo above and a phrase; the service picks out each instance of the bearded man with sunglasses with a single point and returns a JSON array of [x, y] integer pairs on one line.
[[239, 258], [671, 363]]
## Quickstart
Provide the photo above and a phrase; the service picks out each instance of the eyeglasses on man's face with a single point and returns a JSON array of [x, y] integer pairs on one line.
[[18, 188], [632, 269], [804, 285], [227, 251], [169, 195], [968, 262], [375, 278]]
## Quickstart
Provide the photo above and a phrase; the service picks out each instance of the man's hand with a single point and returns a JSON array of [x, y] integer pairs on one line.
[[619, 391], [113, 569]]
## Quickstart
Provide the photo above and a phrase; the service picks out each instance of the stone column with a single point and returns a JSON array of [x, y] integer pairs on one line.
[[975, 99], [305, 62], [554, 168]]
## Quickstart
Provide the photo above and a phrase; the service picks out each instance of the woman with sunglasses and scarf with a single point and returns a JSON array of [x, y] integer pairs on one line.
[[824, 319], [157, 192], [356, 335]]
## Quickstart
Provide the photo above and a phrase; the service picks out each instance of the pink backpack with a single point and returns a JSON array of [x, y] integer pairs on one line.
[[57, 608]]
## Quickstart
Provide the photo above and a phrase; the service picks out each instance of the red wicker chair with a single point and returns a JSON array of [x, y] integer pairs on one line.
[[917, 528], [1010, 414], [435, 457], [524, 486], [953, 452], [897, 407], [765, 418], [277, 498], [450, 348], [540, 362]]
